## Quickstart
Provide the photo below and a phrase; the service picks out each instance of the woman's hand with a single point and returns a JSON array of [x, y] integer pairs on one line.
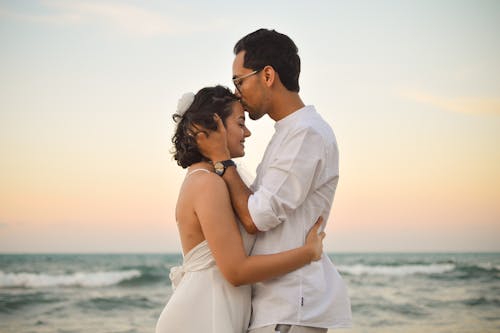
[[213, 144], [314, 240]]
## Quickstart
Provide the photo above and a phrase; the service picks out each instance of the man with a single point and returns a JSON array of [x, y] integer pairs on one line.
[[295, 184]]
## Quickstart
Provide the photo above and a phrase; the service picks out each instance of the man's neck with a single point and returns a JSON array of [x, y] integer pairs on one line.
[[285, 104]]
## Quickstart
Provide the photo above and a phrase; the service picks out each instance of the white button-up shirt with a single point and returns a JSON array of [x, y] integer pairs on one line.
[[295, 184]]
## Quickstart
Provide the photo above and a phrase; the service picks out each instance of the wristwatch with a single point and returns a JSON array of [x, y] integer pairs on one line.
[[221, 166]]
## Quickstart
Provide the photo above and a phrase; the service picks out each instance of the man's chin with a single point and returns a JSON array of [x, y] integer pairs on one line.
[[254, 116]]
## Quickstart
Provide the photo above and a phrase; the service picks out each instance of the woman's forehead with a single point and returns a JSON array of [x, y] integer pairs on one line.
[[238, 110]]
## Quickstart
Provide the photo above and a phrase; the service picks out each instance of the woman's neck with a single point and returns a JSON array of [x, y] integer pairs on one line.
[[201, 165]]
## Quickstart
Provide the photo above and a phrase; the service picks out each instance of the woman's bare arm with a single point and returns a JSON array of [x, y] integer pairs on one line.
[[213, 208]]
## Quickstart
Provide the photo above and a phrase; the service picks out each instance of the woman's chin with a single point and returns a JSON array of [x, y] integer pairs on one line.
[[238, 154]]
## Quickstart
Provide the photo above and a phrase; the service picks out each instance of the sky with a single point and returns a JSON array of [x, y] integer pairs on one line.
[[87, 90]]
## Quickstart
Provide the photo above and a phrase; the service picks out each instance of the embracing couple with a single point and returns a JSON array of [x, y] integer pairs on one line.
[[253, 258]]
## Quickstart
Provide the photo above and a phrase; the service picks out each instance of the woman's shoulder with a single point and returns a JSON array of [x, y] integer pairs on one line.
[[204, 189], [205, 180]]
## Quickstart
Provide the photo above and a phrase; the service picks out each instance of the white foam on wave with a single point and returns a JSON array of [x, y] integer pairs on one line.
[[396, 270], [80, 279], [488, 266]]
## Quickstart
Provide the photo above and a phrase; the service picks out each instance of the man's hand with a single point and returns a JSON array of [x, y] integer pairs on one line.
[[214, 144]]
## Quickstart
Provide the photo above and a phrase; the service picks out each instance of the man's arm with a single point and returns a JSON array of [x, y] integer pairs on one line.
[[285, 184], [214, 147]]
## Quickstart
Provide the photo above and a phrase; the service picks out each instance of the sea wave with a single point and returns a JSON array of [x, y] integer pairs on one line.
[[482, 271], [79, 279], [396, 270], [488, 266], [118, 302], [482, 301], [149, 275]]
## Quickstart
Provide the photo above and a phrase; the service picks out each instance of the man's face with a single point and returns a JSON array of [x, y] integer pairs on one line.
[[249, 87]]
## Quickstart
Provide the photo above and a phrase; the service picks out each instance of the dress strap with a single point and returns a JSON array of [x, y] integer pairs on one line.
[[196, 170]]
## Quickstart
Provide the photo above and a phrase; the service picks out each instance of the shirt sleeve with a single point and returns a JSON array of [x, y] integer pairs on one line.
[[287, 181]]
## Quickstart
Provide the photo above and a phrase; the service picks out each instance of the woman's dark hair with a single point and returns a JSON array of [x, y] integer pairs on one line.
[[207, 102], [268, 47]]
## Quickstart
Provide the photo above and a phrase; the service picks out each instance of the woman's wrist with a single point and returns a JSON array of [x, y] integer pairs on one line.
[[309, 250]]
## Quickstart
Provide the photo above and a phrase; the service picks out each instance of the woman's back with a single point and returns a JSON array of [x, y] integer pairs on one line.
[[191, 191], [196, 187], [203, 300]]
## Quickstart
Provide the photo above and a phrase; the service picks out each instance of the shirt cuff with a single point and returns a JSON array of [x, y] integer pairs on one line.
[[261, 210]]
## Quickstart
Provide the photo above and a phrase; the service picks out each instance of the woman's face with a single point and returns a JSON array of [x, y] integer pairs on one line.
[[236, 131]]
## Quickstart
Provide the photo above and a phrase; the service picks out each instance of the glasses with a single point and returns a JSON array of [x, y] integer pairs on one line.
[[238, 81]]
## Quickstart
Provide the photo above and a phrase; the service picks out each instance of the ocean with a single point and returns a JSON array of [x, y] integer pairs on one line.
[[390, 292]]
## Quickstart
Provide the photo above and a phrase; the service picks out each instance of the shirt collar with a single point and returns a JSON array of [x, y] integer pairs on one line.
[[292, 117]]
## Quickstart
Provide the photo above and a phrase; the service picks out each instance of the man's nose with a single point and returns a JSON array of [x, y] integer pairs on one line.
[[237, 93]]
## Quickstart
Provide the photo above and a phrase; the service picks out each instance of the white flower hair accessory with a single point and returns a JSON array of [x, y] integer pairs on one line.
[[182, 105]]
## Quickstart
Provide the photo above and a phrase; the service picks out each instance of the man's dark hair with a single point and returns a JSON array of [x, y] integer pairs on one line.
[[207, 102], [268, 47]]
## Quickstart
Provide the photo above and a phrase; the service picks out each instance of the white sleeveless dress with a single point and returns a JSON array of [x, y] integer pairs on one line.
[[202, 299]]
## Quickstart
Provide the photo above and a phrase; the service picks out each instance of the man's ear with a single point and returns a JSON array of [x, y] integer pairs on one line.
[[269, 75]]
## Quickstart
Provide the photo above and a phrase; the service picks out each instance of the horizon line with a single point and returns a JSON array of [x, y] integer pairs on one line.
[[328, 253]]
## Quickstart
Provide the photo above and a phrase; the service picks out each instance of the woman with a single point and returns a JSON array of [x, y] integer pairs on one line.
[[209, 297]]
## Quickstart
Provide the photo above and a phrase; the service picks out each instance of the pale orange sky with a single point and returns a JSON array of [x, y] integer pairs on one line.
[[87, 90]]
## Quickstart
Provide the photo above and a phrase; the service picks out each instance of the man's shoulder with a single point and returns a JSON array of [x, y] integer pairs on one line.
[[312, 124]]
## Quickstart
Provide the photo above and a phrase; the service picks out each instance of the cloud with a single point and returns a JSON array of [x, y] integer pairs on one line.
[[124, 18], [464, 104]]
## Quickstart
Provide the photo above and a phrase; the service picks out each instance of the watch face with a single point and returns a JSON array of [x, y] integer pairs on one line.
[[219, 168]]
